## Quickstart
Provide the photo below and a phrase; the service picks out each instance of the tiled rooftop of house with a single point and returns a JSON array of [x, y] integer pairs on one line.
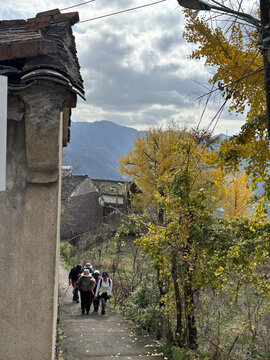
[[112, 187], [40, 48]]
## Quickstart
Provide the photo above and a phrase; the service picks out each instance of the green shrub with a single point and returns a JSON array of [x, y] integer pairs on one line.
[[179, 353], [66, 254], [173, 352], [253, 353], [142, 307]]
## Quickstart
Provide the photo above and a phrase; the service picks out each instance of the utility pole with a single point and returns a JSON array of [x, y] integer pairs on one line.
[[265, 47], [3, 131], [263, 29]]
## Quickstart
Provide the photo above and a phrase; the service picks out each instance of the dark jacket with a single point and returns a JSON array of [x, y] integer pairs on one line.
[[75, 273]]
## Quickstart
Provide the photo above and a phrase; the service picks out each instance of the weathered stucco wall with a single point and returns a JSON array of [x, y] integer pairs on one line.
[[29, 231], [38, 57]]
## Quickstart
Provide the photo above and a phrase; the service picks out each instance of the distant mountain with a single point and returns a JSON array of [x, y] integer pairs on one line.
[[222, 137], [95, 148]]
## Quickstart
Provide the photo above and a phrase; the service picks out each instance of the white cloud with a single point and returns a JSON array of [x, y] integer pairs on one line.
[[135, 65]]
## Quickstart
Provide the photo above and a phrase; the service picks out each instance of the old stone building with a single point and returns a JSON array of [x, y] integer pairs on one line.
[[38, 58], [81, 209], [114, 194]]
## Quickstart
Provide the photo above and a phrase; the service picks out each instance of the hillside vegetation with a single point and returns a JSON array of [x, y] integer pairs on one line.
[[194, 275]]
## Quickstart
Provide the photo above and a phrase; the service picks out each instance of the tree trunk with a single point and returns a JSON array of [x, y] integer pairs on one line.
[[178, 301], [162, 292], [161, 216], [265, 8], [190, 335]]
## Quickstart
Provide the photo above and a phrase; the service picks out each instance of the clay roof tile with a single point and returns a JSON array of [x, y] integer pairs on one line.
[[73, 17], [48, 13]]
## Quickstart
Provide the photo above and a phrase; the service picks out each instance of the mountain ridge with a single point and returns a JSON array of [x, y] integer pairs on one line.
[[95, 148]]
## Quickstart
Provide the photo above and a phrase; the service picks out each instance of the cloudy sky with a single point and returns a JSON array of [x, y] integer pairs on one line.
[[135, 64]]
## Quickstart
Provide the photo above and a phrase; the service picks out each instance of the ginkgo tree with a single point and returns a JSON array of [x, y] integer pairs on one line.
[[231, 49], [153, 157], [191, 248], [249, 150], [238, 197], [167, 165]]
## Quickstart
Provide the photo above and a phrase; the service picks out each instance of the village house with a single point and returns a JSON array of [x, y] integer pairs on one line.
[[114, 194], [81, 206]]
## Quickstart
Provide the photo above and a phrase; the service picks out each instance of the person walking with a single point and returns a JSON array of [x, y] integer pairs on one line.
[[90, 268], [86, 284], [96, 300], [104, 290], [73, 277]]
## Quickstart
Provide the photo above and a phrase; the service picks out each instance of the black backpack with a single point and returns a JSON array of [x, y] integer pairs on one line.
[[74, 274], [101, 282]]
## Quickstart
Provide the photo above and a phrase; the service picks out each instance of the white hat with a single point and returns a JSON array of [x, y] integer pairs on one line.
[[86, 273]]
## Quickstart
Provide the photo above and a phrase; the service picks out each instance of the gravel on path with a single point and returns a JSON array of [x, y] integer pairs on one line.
[[99, 336]]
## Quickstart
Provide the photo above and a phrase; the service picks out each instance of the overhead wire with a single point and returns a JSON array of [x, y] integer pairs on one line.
[[73, 6], [121, 11]]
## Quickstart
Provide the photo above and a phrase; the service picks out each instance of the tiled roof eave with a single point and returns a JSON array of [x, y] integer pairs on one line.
[[32, 77], [40, 48]]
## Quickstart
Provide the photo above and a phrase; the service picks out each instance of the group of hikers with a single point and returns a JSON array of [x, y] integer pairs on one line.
[[93, 288]]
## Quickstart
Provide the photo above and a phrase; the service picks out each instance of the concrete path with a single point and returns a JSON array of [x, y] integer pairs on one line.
[[99, 336]]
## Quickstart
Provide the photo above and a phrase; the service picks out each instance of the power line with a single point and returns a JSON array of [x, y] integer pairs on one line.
[[122, 11], [70, 7]]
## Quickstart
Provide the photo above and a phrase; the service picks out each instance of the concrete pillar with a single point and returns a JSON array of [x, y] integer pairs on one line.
[[30, 224]]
